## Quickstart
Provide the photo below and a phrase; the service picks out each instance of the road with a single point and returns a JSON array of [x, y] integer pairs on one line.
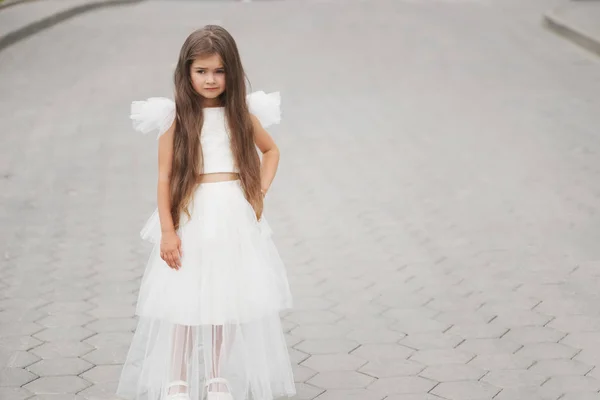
[[437, 202]]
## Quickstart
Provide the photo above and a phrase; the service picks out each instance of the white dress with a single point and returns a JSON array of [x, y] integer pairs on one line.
[[218, 315]]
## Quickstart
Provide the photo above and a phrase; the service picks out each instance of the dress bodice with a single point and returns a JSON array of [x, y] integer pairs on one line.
[[158, 113], [215, 141]]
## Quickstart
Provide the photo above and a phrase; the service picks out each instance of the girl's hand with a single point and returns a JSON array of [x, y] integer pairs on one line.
[[170, 249]]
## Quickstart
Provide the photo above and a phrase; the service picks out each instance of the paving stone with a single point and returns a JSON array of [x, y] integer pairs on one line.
[[119, 299], [441, 357], [525, 393], [546, 351], [584, 340], [402, 385], [479, 331], [103, 374], [10, 316], [62, 349], [70, 295], [57, 385], [288, 326], [15, 377], [465, 390], [60, 367], [462, 318], [307, 392], [370, 336], [326, 346], [454, 304], [341, 380], [100, 391], [421, 325], [59, 307], [576, 323], [413, 397], [296, 356], [17, 359], [489, 346], [501, 362], [334, 362], [61, 397], [387, 368], [65, 320], [400, 301], [114, 355], [514, 378], [564, 384], [353, 323], [560, 367], [302, 373], [590, 357], [105, 311], [112, 325], [423, 341], [519, 318], [453, 372], [320, 331], [21, 304], [110, 339], [20, 343], [292, 340], [313, 303], [382, 351], [580, 396], [73, 333], [116, 287], [8, 393], [19, 329], [350, 394], [534, 334], [313, 317], [349, 310]]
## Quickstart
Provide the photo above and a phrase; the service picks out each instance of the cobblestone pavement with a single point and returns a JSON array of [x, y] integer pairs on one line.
[[437, 202]]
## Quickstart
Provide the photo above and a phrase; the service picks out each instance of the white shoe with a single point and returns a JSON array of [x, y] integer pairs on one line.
[[178, 396], [218, 395]]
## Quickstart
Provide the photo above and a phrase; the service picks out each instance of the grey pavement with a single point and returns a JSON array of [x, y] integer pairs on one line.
[[437, 202]]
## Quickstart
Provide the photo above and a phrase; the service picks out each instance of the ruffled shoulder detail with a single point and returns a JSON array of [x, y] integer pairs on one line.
[[265, 106], [156, 113]]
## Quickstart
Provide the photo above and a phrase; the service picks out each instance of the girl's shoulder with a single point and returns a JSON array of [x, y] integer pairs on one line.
[[158, 113]]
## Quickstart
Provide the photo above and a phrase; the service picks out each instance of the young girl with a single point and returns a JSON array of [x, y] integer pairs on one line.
[[210, 298]]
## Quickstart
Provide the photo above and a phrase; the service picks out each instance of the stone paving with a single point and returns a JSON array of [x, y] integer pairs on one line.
[[437, 202]]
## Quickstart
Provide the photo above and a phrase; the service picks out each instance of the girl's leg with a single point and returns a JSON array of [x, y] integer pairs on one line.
[[180, 359], [222, 341]]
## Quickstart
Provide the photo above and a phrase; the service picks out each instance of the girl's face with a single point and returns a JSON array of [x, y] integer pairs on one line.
[[208, 78]]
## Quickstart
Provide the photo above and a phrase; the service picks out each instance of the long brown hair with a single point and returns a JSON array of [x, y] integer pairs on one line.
[[187, 152]]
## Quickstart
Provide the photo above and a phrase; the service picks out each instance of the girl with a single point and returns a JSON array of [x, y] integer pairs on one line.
[[213, 288]]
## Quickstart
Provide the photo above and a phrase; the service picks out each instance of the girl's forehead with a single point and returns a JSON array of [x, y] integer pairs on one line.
[[212, 61]]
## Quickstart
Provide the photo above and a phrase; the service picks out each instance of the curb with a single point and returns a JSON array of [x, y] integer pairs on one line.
[[578, 36], [33, 28], [10, 3]]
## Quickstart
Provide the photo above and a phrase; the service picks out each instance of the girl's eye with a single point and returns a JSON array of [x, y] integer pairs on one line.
[[200, 71], [220, 71]]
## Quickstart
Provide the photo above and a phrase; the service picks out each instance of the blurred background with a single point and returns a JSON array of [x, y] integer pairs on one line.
[[437, 202]]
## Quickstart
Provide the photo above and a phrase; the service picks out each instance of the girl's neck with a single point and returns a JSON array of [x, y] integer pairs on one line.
[[212, 103]]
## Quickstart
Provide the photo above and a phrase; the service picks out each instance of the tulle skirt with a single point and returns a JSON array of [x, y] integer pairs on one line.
[[218, 315]]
